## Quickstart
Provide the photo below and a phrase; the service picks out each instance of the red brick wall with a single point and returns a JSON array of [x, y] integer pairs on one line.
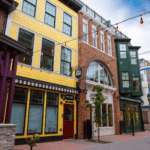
[[86, 55], [3, 16], [145, 116], [98, 37], [106, 41]]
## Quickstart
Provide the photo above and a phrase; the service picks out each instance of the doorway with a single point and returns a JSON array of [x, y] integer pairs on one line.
[[68, 121]]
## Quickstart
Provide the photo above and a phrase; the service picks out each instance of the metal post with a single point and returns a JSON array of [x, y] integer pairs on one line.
[[132, 126]]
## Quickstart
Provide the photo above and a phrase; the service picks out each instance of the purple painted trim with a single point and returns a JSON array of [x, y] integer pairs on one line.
[[4, 68], [11, 90]]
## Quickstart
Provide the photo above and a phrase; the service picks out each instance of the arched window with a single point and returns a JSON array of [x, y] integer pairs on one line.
[[98, 73]]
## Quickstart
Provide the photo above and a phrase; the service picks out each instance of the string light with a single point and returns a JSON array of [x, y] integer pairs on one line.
[[141, 21], [42, 54], [117, 30], [96, 34], [80, 41]]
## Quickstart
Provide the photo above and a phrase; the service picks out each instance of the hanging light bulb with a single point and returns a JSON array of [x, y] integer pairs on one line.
[[65, 46], [97, 66], [108, 63], [24, 59], [42, 54], [135, 59], [117, 30], [97, 35], [52, 50], [80, 41], [141, 21]]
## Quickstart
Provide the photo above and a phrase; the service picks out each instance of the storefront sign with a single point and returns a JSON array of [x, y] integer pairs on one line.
[[78, 73], [69, 97]]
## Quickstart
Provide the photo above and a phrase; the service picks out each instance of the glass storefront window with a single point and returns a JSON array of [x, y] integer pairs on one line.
[[110, 115], [19, 109], [104, 116], [127, 107], [128, 118], [52, 113], [36, 112], [136, 118]]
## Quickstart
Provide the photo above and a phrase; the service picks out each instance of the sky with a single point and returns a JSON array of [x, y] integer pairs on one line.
[[119, 10]]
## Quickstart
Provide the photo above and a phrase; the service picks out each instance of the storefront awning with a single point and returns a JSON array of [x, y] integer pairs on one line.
[[138, 100]]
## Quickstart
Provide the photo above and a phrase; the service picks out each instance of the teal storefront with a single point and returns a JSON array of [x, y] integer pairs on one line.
[[130, 108]]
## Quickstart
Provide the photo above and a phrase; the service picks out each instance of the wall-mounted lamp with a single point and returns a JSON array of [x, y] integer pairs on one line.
[[63, 96], [85, 91], [77, 98]]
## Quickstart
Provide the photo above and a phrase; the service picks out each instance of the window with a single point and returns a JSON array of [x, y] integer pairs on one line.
[[84, 32], [29, 7], [50, 14], [109, 47], [36, 112], [94, 37], [19, 109], [65, 67], [104, 116], [47, 54], [123, 50], [51, 123], [102, 42], [98, 73], [133, 57], [125, 80], [67, 24], [110, 117], [142, 78], [26, 39], [136, 84]]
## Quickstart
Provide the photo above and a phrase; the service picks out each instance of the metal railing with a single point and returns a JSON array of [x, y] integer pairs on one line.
[[100, 19]]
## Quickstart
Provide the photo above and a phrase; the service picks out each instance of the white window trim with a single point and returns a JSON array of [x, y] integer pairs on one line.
[[101, 33], [109, 38]]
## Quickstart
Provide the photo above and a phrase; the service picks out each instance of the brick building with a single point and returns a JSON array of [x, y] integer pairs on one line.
[[97, 59]]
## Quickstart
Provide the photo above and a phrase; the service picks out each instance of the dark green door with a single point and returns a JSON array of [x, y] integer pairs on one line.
[[132, 111]]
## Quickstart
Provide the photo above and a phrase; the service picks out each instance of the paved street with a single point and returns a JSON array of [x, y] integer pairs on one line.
[[141, 141]]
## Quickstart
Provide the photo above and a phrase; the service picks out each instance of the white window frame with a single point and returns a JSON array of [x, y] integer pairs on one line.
[[94, 38], [102, 34]]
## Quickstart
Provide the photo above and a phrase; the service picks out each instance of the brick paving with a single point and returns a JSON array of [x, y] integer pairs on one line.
[[119, 142]]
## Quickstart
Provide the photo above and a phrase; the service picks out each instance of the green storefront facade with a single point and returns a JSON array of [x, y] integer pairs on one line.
[[130, 88]]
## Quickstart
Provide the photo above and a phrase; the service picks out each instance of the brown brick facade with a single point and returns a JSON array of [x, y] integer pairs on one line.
[[86, 55], [3, 16]]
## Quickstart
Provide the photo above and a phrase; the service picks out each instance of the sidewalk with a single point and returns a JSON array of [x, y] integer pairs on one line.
[[73, 144]]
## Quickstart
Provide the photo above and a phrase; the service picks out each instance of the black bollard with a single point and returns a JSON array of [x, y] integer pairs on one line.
[[132, 126]]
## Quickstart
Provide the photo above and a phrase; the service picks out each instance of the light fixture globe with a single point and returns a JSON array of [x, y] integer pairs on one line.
[[141, 21]]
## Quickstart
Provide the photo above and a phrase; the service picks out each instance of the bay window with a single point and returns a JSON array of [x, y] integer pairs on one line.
[[125, 80], [123, 51]]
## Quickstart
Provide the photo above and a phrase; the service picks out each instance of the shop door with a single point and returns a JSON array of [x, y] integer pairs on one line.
[[68, 121]]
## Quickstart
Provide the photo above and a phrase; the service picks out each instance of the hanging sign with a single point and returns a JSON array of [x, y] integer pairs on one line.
[[78, 73]]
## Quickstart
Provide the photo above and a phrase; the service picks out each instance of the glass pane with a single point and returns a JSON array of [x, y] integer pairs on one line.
[[102, 38], [84, 28], [36, 97], [32, 1], [65, 68], [127, 107], [47, 62], [123, 55], [128, 118], [35, 119], [68, 113], [125, 76], [136, 108], [132, 107], [125, 84], [49, 20], [132, 54], [67, 19], [84, 37], [122, 47], [94, 42], [52, 99], [136, 118], [94, 33], [110, 115], [133, 61], [28, 8], [67, 29], [136, 84], [20, 95], [51, 119], [104, 115], [50, 9], [48, 47], [18, 117], [133, 117]]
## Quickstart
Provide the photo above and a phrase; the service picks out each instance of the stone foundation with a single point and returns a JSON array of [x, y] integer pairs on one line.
[[7, 136]]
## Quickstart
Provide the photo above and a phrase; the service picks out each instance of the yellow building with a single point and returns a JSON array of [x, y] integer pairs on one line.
[[45, 88]]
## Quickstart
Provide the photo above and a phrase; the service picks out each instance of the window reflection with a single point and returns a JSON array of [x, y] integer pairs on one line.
[[98, 73]]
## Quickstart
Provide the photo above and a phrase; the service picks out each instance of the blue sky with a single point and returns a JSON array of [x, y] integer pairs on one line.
[[118, 10]]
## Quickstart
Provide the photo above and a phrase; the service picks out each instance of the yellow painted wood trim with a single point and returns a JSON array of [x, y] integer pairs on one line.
[[27, 112], [44, 112]]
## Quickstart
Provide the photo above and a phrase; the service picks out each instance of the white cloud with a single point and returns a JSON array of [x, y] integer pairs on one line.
[[117, 11]]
